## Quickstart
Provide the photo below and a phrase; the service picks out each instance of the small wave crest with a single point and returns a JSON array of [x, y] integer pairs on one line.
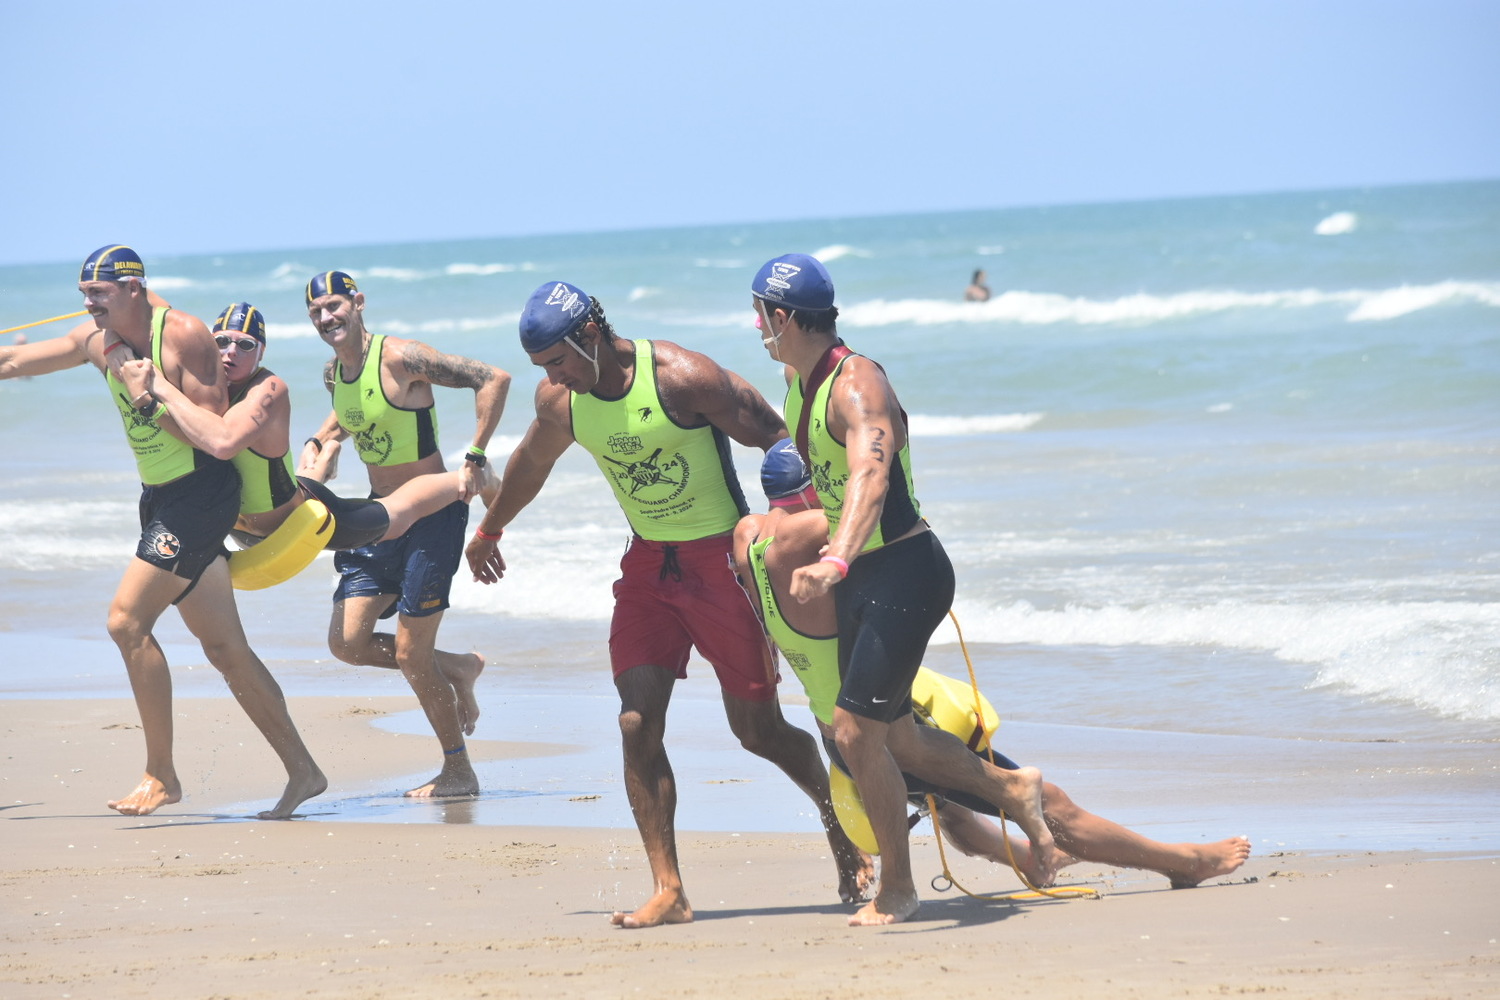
[[1043, 308], [924, 425], [1440, 656], [1337, 224]]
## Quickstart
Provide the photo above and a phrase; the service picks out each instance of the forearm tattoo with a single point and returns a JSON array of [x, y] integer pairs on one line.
[[448, 370]]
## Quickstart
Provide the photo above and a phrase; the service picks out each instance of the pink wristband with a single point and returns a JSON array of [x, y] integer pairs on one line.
[[843, 567]]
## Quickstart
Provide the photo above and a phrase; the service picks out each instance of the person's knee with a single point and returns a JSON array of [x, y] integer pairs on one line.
[[126, 628]]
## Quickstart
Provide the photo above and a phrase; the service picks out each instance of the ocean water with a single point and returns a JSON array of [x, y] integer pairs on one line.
[[1219, 478]]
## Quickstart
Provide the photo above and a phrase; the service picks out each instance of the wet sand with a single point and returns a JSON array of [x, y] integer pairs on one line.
[[199, 901]]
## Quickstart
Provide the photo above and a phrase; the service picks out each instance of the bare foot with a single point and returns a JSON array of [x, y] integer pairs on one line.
[[461, 670], [856, 874], [149, 796], [1213, 860], [1024, 860], [883, 910], [666, 907], [1046, 859], [456, 778], [298, 791]]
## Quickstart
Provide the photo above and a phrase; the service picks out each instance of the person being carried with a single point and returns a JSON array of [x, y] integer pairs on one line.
[[382, 390], [658, 420], [892, 582], [189, 500], [768, 547], [255, 434]]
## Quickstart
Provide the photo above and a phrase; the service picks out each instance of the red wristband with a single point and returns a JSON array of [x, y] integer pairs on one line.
[[484, 536], [839, 564]]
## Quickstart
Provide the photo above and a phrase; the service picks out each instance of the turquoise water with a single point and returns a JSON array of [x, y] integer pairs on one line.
[[1218, 468]]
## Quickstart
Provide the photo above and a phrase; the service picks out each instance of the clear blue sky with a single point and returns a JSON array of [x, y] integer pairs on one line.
[[216, 127]]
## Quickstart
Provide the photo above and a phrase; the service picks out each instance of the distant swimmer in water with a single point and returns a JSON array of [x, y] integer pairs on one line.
[[189, 500], [977, 291]]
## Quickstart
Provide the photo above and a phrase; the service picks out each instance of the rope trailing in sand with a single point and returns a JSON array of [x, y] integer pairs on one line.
[[932, 811]]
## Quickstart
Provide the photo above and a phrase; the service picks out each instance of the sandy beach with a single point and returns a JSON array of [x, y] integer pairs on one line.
[[196, 901]]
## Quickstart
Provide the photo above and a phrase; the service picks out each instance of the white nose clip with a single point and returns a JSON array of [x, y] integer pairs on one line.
[[591, 360]]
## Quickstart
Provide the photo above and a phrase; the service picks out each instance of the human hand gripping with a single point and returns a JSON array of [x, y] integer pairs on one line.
[[816, 579], [138, 376]]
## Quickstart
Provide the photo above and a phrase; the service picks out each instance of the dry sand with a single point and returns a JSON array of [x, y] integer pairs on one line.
[[195, 903]]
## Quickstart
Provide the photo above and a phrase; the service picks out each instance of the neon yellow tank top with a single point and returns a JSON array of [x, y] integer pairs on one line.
[[159, 457], [814, 660], [830, 467], [384, 433], [265, 483], [674, 483]]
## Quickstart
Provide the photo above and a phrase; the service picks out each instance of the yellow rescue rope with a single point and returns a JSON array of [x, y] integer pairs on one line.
[[49, 319], [932, 811]]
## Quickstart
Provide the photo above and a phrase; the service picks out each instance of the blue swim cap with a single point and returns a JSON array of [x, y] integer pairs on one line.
[[115, 262], [244, 318], [330, 283], [554, 311], [795, 281], [782, 472]]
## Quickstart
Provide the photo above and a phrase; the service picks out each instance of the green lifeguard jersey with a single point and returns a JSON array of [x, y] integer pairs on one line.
[[814, 660], [265, 483], [830, 466], [674, 483], [384, 433], [159, 456]]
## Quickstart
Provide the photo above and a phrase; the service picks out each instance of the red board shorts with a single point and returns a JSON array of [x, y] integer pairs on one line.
[[674, 596]]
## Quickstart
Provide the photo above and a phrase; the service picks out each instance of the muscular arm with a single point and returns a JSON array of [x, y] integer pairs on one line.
[[260, 420], [864, 414], [527, 470], [78, 346], [490, 384], [190, 361], [695, 388]]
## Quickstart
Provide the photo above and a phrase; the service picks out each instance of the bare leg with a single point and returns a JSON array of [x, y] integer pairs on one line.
[[1094, 838], [764, 731], [645, 692], [942, 759], [210, 614], [143, 594], [862, 743], [353, 639]]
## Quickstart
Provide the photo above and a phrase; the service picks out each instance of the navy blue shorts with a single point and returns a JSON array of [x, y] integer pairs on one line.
[[894, 598], [184, 522], [418, 566]]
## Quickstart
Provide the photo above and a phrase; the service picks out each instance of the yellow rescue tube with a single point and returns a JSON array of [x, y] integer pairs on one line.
[[286, 551], [948, 705], [850, 810], [940, 702]]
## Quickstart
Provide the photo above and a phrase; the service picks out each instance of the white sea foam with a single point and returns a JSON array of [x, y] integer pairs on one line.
[[1042, 308], [392, 273], [1440, 656], [838, 250], [925, 425], [432, 327], [642, 292], [1337, 224], [169, 283], [485, 269], [1393, 302], [720, 264]]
